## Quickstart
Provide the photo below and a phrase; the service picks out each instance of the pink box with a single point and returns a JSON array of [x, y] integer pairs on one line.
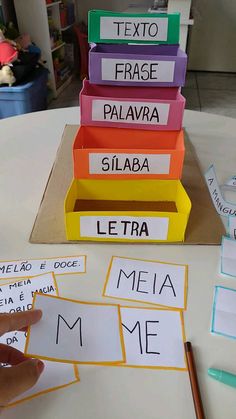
[[149, 108]]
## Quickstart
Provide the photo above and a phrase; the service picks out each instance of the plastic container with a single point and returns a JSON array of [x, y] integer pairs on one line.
[[126, 210], [137, 65], [29, 96], [129, 107], [111, 27], [108, 153]]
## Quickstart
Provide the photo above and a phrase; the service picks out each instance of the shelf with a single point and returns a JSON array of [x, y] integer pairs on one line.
[[53, 4], [58, 47], [64, 84], [67, 27]]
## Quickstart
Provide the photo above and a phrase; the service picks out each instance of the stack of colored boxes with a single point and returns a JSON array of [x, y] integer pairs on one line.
[[129, 151]]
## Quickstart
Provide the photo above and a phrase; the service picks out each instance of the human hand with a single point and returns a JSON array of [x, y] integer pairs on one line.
[[24, 372]]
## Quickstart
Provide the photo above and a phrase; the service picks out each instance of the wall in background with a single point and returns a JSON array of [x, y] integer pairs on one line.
[[213, 37], [115, 5]]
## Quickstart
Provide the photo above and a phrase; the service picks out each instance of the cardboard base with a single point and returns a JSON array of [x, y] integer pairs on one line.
[[204, 226]]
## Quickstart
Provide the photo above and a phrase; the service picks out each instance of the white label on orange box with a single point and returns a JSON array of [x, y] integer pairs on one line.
[[124, 227], [146, 113], [119, 164], [149, 71], [134, 28]]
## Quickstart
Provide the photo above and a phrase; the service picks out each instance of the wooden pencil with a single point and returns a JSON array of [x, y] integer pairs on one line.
[[194, 381]]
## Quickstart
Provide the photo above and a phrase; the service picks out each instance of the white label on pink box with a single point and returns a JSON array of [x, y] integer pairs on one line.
[[124, 227], [122, 163], [149, 71], [134, 28], [146, 113]]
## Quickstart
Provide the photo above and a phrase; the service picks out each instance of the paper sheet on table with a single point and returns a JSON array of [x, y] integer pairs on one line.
[[31, 267], [153, 338], [223, 207], [76, 332], [224, 312], [147, 281], [232, 227], [17, 296], [228, 256]]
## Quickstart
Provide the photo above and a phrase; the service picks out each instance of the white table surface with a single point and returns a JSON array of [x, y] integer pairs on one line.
[[28, 145]]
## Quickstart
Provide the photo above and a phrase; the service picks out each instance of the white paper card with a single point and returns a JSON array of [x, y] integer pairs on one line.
[[228, 256], [17, 296], [54, 376], [148, 281], [126, 227], [224, 312], [134, 28], [145, 113], [153, 338], [76, 332], [122, 163], [32, 267], [232, 227], [231, 182], [222, 207], [129, 70]]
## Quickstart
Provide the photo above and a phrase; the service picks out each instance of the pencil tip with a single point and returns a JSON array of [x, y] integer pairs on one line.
[[187, 346]]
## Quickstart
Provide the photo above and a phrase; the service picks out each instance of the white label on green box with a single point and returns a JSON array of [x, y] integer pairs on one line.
[[124, 163], [149, 71], [124, 227], [134, 28], [146, 113]]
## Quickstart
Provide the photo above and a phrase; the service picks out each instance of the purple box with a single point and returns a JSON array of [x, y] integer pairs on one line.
[[137, 65]]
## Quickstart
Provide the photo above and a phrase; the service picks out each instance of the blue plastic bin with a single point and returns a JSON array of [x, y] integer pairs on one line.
[[29, 96]]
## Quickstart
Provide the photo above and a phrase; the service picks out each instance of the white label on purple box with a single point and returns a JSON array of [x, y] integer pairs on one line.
[[146, 113], [127, 163], [134, 28], [148, 71], [124, 227]]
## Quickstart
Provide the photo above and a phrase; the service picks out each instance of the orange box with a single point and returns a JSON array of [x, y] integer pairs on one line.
[[108, 153]]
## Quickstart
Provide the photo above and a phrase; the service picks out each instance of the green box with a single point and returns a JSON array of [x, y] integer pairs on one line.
[[123, 28]]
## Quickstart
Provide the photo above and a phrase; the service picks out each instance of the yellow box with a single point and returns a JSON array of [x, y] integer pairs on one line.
[[126, 210]]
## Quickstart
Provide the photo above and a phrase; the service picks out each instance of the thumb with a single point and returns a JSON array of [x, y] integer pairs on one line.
[[19, 378]]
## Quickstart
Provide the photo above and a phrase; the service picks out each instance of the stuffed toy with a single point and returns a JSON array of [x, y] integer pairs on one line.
[[8, 50], [22, 56], [7, 76]]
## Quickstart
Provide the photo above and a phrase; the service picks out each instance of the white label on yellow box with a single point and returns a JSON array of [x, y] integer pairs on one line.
[[126, 227], [110, 163], [134, 28], [114, 69], [146, 113]]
